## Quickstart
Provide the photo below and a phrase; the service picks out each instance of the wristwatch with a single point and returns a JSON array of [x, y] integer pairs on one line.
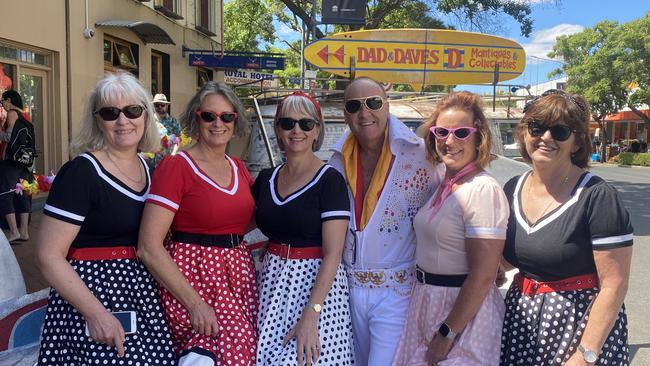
[[588, 355], [446, 332], [315, 307]]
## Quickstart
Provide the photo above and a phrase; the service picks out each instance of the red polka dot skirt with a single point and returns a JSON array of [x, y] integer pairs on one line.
[[225, 279]]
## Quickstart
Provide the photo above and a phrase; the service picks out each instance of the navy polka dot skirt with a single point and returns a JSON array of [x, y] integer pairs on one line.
[[546, 328], [120, 285]]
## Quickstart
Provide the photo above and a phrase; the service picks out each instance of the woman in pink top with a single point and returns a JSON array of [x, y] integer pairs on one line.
[[456, 312]]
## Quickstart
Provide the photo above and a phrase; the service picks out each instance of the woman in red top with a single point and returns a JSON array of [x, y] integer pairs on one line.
[[208, 277]]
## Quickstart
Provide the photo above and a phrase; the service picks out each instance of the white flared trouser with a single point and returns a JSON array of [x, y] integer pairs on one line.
[[378, 317]]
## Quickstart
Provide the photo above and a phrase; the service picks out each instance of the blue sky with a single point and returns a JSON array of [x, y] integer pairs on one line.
[[551, 19]]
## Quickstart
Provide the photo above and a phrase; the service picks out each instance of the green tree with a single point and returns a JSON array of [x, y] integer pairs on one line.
[[478, 15], [249, 25], [603, 62], [635, 37]]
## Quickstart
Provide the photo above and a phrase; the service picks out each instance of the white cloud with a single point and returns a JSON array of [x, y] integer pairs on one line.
[[543, 40], [282, 30]]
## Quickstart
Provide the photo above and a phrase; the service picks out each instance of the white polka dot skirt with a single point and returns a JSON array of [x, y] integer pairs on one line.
[[225, 279], [120, 285], [285, 287], [545, 329]]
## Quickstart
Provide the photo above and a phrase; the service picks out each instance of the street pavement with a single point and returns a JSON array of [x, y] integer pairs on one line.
[[632, 183]]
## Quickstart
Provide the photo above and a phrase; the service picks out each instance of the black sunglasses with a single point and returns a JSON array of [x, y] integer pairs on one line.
[[306, 124], [209, 117], [109, 114], [373, 103], [558, 132]]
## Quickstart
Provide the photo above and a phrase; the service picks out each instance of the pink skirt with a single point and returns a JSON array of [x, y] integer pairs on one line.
[[478, 344]]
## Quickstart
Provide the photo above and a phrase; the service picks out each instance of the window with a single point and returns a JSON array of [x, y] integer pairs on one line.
[[203, 76], [156, 73], [205, 17], [171, 8], [23, 55], [119, 54], [7, 77], [159, 73]]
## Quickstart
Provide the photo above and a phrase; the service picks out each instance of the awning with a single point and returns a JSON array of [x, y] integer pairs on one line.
[[627, 116], [147, 32]]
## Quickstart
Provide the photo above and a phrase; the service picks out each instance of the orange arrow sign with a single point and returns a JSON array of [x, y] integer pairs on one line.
[[339, 54], [324, 54]]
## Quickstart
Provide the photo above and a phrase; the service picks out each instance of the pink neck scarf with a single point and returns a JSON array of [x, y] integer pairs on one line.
[[444, 190]]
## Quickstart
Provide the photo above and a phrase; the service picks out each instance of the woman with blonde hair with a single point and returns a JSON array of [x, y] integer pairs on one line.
[[303, 207], [86, 245], [456, 311]]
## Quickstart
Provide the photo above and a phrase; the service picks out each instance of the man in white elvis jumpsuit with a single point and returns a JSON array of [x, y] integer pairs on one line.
[[388, 179]]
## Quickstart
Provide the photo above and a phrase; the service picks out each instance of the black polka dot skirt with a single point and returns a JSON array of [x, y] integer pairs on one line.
[[545, 329], [120, 285], [285, 287]]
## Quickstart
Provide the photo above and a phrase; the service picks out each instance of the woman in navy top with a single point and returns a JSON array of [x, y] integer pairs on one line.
[[87, 239]]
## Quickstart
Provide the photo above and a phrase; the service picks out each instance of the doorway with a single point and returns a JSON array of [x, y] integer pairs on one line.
[[33, 84]]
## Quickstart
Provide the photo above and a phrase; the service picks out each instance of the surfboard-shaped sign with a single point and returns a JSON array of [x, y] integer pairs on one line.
[[419, 56]]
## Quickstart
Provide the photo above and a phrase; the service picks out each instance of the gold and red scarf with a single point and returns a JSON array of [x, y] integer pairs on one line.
[[364, 204]]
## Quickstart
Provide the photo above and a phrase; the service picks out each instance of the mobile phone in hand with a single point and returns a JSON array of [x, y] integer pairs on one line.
[[127, 319]]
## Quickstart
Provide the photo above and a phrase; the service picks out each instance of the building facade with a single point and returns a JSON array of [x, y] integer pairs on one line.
[[53, 52]]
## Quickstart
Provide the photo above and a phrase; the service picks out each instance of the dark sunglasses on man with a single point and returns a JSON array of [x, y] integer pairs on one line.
[[209, 117], [558, 132], [373, 103], [306, 124], [109, 114]]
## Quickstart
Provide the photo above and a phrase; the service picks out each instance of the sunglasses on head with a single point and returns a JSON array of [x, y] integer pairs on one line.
[[209, 117], [373, 103], [112, 113], [460, 133], [558, 132], [306, 124], [559, 92]]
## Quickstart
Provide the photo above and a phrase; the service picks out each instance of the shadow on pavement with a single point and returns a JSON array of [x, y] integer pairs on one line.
[[637, 200], [634, 348]]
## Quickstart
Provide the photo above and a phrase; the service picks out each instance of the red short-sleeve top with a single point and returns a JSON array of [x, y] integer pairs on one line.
[[202, 206]]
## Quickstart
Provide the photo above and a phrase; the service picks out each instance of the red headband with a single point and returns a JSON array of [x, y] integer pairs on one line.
[[299, 94]]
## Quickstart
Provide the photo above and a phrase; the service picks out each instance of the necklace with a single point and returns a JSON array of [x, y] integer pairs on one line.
[[550, 202], [139, 181]]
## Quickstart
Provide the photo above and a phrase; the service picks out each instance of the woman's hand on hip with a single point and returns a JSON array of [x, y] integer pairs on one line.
[[203, 319], [307, 340], [106, 329], [438, 350]]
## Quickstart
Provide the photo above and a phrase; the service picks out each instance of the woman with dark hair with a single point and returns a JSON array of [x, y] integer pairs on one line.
[[303, 207], [456, 311], [570, 237], [88, 235], [19, 137], [207, 275]]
